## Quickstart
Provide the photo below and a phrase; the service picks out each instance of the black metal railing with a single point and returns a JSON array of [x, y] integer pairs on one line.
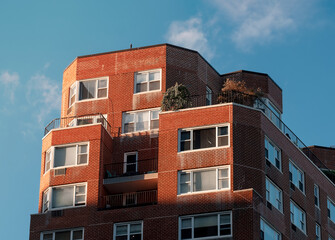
[[120, 169], [258, 103], [78, 121], [133, 199]]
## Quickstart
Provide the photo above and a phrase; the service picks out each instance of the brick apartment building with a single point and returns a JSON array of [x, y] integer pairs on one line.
[[114, 167]]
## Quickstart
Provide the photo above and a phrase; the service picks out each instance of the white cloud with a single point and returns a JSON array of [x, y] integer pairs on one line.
[[190, 34], [44, 95], [10, 81], [260, 21]]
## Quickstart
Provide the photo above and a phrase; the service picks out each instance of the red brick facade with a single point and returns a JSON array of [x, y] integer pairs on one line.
[[160, 159]]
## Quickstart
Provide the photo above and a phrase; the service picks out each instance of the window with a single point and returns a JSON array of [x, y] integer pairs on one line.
[[298, 217], [268, 232], [72, 95], [207, 179], [317, 232], [209, 94], [272, 153], [199, 138], [296, 176], [64, 196], [316, 195], [66, 156], [274, 194], [73, 234], [89, 120], [128, 231], [205, 226], [274, 114], [148, 81], [331, 210], [88, 89], [130, 162], [140, 120]]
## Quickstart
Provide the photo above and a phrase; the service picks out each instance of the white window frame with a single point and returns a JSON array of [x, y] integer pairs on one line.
[[218, 214], [279, 195], [209, 96], [293, 210], [331, 214], [76, 85], [200, 128], [147, 80], [52, 149], [49, 191], [272, 159], [125, 161], [73, 92], [128, 228], [263, 224], [48, 160], [95, 119], [317, 196], [135, 116], [317, 232], [295, 179], [191, 182], [63, 230]]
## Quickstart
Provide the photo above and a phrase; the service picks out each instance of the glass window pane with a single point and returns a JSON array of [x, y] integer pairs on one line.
[[87, 90], [154, 85], [136, 228], [154, 124], [129, 127], [186, 223], [47, 236], [223, 173], [185, 188], [185, 177], [102, 93], [205, 226], [66, 235], [135, 236], [155, 114], [223, 183], [204, 138], [184, 146], [141, 87], [82, 148], [131, 158], [121, 230], [80, 189], [62, 197], [142, 121], [102, 83], [185, 135], [222, 131], [204, 180], [77, 234], [154, 75], [186, 233], [65, 156], [141, 77], [225, 219]]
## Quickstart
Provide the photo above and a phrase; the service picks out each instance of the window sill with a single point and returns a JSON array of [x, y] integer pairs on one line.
[[153, 91], [203, 192], [203, 149], [152, 131]]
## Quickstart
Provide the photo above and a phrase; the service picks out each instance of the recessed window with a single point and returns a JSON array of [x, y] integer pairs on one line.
[[209, 96], [66, 156], [200, 138], [130, 162], [140, 120], [147, 81], [72, 234], [86, 120], [268, 232], [207, 179], [331, 210], [274, 195], [128, 231], [88, 90], [205, 226], [316, 195], [296, 176], [298, 216], [317, 232], [272, 153], [64, 196]]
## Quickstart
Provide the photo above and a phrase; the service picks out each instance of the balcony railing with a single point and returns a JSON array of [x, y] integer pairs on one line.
[[77, 121], [258, 103], [121, 169], [133, 199]]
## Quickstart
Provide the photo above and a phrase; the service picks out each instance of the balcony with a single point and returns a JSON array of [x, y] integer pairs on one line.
[[74, 121], [131, 176], [130, 199]]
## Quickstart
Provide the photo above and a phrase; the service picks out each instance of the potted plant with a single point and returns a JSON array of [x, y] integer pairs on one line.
[[176, 97]]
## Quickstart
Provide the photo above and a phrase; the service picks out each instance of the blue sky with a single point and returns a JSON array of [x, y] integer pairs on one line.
[[291, 40]]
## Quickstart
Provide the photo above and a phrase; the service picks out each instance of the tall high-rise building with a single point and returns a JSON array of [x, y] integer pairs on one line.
[[116, 167]]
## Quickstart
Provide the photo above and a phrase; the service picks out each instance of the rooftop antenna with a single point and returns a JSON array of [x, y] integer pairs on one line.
[[131, 45]]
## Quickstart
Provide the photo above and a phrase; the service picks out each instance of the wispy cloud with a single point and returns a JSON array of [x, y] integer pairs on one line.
[[260, 21], [190, 34], [44, 95], [9, 82]]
